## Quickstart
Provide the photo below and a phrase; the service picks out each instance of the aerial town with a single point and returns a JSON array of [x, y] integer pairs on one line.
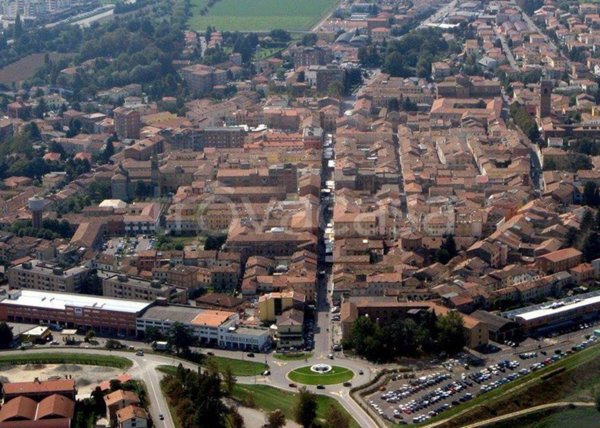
[[358, 214]]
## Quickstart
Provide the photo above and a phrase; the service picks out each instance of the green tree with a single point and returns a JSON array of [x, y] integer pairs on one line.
[[335, 89], [305, 407], [309, 39], [394, 64], [6, 335], [336, 418], [598, 402], [590, 194], [591, 247], [18, 31], [98, 398], [180, 337], [237, 421], [90, 335], [229, 379], [208, 401], [276, 419], [152, 334], [451, 332]]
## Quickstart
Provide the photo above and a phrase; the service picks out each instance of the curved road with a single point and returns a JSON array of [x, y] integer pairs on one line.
[[144, 368]]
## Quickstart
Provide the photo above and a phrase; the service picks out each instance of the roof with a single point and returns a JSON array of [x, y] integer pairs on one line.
[[565, 253], [220, 299], [121, 395], [19, 407], [56, 406], [39, 387], [212, 318], [494, 322], [131, 412], [59, 301], [183, 314]]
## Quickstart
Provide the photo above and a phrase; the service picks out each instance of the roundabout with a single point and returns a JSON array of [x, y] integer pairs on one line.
[[320, 374]]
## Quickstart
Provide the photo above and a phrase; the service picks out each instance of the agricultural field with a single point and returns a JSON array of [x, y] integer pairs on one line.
[[260, 15], [24, 68]]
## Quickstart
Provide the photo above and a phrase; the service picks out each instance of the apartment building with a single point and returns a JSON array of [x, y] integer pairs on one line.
[[39, 275], [123, 287], [127, 122]]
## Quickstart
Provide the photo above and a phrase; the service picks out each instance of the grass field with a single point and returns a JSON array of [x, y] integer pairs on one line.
[[239, 367], [268, 399], [586, 418], [260, 15], [306, 376], [293, 356], [58, 358]]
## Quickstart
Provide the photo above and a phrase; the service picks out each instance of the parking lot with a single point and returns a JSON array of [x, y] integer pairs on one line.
[[408, 401], [128, 246]]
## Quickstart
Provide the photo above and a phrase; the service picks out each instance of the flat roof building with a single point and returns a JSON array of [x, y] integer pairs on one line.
[[104, 315], [39, 275]]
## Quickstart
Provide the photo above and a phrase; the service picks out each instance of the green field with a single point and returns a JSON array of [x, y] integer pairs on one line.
[[239, 367], [268, 399], [586, 418], [58, 358], [306, 376], [260, 15], [293, 356]]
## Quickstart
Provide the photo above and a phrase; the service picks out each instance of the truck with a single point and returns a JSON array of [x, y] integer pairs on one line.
[[597, 333], [160, 345]]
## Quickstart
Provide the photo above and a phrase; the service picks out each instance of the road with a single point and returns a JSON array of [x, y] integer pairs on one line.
[[439, 14], [144, 368], [509, 55]]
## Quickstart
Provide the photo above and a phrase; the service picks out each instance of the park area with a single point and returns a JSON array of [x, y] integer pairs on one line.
[[307, 376], [260, 15]]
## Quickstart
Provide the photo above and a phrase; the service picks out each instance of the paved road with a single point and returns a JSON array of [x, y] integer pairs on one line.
[[144, 368]]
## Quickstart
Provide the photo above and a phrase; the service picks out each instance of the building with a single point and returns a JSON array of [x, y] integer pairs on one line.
[[132, 417], [565, 313], [124, 287], [127, 123], [500, 329], [290, 329], [274, 304], [216, 328], [39, 389], [558, 261], [305, 56], [201, 79], [385, 309], [119, 400], [54, 411], [103, 315], [39, 275]]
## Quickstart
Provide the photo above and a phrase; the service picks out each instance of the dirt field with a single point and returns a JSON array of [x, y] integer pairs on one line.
[[86, 377], [24, 68]]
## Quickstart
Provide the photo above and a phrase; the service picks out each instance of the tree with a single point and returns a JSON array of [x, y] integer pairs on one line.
[[90, 335], [309, 39], [598, 402], [276, 419], [591, 247], [394, 64], [447, 250], [6, 335], [99, 404], [305, 407], [451, 332], [590, 194], [115, 384], [153, 333], [208, 401], [335, 89], [180, 337], [237, 421], [18, 31], [229, 379], [335, 418]]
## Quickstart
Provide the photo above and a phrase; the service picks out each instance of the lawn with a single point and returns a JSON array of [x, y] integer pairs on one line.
[[293, 356], [239, 367], [260, 15], [586, 418], [58, 358], [306, 376], [267, 399]]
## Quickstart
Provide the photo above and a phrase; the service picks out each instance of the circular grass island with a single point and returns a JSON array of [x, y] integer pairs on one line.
[[308, 376]]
